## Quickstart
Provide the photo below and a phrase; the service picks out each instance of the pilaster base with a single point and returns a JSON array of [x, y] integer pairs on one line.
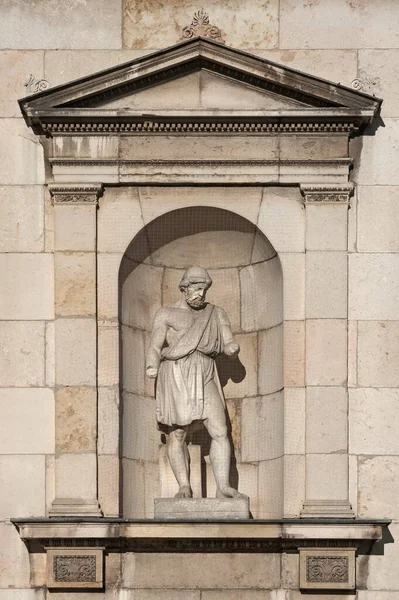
[[319, 509], [72, 507]]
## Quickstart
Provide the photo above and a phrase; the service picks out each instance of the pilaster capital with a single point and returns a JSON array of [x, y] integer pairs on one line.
[[326, 194], [75, 193]]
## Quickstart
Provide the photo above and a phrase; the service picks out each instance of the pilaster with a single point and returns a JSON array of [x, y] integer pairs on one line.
[[76, 481], [327, 484]]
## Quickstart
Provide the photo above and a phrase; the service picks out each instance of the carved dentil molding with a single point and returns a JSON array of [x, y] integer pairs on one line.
[[75, 194], [327, 194], [200, 27]]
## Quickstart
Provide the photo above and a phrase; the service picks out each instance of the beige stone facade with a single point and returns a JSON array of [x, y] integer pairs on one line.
[[287, 192]]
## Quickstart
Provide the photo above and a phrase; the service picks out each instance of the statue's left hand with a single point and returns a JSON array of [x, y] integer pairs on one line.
[[232, 349]]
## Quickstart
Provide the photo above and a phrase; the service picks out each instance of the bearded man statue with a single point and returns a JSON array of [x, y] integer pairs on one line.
[[186, 338]]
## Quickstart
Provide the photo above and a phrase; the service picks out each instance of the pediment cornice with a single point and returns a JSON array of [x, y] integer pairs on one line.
[[316, 104]]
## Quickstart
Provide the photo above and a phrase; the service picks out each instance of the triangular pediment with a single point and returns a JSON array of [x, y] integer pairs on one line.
[[202, 90], [199, 79]]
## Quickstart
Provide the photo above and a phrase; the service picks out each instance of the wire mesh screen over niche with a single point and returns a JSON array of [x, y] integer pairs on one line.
[[247, 283]]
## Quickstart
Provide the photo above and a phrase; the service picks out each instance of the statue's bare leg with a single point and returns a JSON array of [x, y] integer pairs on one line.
[[220, 450], [179, 461]]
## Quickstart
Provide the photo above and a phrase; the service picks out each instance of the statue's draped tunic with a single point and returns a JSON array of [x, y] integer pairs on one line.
[[186, 368]]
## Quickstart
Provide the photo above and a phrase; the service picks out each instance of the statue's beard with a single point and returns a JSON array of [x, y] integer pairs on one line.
[[196, 302]]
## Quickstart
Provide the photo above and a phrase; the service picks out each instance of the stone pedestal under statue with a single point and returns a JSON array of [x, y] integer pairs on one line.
[[202, 508]]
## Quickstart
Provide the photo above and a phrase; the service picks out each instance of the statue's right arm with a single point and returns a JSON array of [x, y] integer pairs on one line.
[[158, 336]]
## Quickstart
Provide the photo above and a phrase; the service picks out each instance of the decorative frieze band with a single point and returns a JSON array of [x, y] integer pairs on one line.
[[76, 194], [326, 194], [193, 127]]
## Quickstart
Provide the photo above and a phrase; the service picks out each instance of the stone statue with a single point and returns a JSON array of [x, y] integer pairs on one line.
[[186, 338]]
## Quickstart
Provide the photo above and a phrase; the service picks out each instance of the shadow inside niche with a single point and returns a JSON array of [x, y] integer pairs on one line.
[[230, 368]]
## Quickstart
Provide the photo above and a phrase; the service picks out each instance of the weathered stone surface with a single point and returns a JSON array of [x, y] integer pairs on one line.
[[108, 485], [237, 595], [21, 154], [379, 572], [196, 147], [26, 286], [108, 420], [293, 265], [25, 413], [133, 489], [294, 353], [220, 571], [352, 354], [270, 360], [76, 416], [326, 420], [377, 69], [378, 484], [19, 594], [312, 147], [375, 156], [326, 352], [335, 65], [217, 249], [50, 481], [18, 474], [108, 355], [326, 227], [294, 484], [21, 218], [140, 435], [262, 428], [343, 24], [133, 360], [326, 476], [241, 371], [261, 295], [225, 292], [80, 147], [32, 26], [75, 284], [374, 286], [271, 489], [156, 201], [21, 353], [14, 565], [108, 285], [378, 214], [75, 476], [159, 594], [290, 571], [143, 22], [62, 66], [119, 219], [294, 420], [201, 508], [326, 285], [378, 353], [75, 228], [141, 296], [282, 219], [363, 595], [75, 351], [373, 414], [20, 64]]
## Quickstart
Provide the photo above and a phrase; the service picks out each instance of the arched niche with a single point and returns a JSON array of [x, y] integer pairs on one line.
[[247, 283]]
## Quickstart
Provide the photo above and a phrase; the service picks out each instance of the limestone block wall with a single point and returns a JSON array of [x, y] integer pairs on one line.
[[340, 40]]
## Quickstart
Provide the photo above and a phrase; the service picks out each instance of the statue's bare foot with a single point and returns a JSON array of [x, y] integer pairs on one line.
[[184, 492], [228, 492]]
